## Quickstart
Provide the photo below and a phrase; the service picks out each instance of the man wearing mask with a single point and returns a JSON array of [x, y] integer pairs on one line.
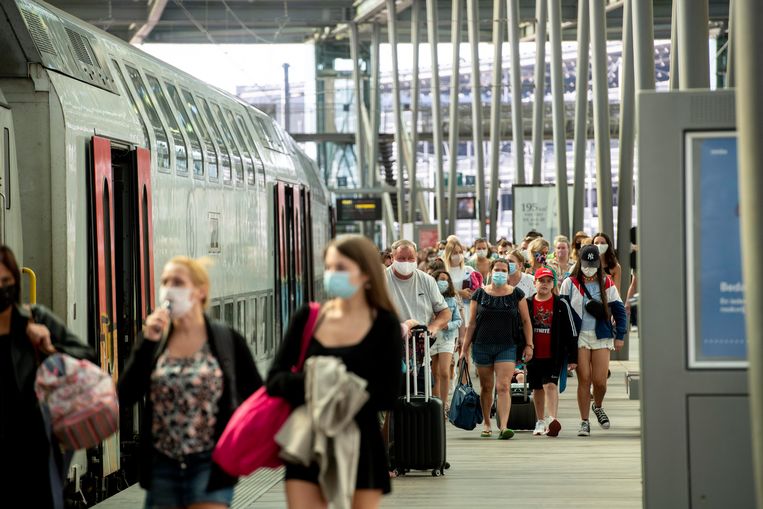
[[414, 292]]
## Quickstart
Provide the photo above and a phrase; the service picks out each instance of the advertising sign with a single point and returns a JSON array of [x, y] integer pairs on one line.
[[715, 290], [535, 208]]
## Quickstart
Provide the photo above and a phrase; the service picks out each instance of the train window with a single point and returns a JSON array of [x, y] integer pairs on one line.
[[214, 311], [252, 141], [131, 97], [270, 138], [181, 156], [248, 160], [162, 144], [241, 305], [219, 138], [185, 123], [209, 146], [235, 155], [253, 327], [269, 322], [229, 317]]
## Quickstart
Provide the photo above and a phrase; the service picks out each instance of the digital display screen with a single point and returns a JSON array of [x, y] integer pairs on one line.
[[715, 289], [358, 209]]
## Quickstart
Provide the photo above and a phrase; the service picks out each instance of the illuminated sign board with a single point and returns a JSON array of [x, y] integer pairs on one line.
[[358, 209]]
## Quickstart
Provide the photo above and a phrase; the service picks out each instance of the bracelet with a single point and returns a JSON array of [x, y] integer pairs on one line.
[[532, 347]]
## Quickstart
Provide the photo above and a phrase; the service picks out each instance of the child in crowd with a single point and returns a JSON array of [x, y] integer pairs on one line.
[[442, 350], [555, 340]]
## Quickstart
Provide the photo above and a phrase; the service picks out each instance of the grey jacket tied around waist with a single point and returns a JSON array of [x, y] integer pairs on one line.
[[323, 430]]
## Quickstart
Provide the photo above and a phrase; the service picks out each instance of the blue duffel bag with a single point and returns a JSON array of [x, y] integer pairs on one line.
[[465, 410]]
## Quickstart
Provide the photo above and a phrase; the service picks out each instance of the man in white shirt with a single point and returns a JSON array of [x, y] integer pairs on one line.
[[414, 292]]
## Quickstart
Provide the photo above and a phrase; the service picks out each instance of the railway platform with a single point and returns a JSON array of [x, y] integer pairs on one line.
[[603, 470]]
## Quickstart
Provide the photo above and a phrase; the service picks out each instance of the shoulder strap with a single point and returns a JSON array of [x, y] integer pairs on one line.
[[587, 293], [307, 334]]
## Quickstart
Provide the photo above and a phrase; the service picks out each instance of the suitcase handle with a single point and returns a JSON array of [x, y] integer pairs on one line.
[[415, 332]]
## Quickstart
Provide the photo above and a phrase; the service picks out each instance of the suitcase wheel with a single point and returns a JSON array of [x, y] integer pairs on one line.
[[437, 473]]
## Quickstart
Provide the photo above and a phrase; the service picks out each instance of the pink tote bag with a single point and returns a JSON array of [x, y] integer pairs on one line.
[[248, 442]]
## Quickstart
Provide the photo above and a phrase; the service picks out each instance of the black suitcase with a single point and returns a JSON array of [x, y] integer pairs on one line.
[[418, 421], [522, 412]]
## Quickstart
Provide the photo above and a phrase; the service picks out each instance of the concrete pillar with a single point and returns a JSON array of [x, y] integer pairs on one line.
[[674, 70], [373, 158], [731, 48], [748, 40], [557, 101], [601, 115], [473, 22], [399, 138], [581, 118], [625, 165], [518, 131], [540, 85], [455, 40], [415, 85], [433, 36], [357, 81], [495, 118], [693, 34]]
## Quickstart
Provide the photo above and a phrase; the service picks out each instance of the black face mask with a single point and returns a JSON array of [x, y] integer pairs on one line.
[[7, 296]]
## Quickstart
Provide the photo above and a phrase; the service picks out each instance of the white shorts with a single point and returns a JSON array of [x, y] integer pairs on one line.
[[443, 345], [587, 339]]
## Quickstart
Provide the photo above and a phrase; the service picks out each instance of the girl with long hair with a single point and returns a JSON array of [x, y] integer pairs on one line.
[[601, 321], [609, 261], [359, 325]]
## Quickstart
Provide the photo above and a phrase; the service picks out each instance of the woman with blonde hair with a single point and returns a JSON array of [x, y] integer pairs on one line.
[[561, 263], [538, 250], [193, 372], [460, 273], [359, 324]]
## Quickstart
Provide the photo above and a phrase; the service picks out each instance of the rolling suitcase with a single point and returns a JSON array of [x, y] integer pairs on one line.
[[418, 421], [522, 412]]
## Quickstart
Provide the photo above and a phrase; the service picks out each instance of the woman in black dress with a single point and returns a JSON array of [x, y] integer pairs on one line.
[[359, 325]]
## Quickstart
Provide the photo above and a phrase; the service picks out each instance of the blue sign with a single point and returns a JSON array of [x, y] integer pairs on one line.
[[716, 298]]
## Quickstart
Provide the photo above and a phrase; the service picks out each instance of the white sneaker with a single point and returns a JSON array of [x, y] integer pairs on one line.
[[540, 428]]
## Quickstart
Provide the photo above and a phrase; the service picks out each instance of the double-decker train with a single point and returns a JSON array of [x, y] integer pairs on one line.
[[112, 162]]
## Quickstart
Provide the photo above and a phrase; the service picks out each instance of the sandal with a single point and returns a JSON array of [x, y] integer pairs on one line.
[[486, 433], [506, 434]]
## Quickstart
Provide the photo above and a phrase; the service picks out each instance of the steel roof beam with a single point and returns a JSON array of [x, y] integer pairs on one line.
[[154, 15]]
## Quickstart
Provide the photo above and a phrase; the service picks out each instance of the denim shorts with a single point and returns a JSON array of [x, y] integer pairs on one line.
[[180, 484], [488, 354]]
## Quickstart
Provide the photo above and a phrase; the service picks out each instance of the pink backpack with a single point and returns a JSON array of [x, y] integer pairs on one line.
[[80, 399]]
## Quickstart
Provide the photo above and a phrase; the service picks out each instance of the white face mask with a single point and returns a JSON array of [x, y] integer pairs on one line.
[[179, 300], [589, 271], [602, 248], [456, 259], [404, 268], [482, 253]]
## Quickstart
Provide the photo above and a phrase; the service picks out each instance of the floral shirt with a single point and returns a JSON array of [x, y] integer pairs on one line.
[[185, 392]]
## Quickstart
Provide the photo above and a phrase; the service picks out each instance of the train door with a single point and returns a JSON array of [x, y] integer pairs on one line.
[[10, 217], [121, 264]]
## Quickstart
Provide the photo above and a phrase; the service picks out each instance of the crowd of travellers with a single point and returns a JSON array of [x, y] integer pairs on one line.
[[538, 310]]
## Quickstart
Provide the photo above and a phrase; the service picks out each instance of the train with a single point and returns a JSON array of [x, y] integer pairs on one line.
[[111, 163]]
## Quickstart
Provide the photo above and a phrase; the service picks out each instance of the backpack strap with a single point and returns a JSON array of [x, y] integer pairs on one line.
[[307, 334]]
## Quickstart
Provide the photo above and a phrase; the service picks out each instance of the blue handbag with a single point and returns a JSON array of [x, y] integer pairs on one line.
[[465, 410]]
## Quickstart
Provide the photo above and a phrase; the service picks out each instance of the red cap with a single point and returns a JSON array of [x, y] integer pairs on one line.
[[544, 272]]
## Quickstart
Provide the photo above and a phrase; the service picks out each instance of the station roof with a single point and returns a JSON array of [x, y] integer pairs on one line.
[[297, 21]]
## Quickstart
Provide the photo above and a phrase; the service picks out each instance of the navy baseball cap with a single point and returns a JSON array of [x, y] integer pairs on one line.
[[589, 256]]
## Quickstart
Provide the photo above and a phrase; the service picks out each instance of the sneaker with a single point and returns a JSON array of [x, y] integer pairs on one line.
[[540, 428], [601, 416], [554, 428], [585, 429], [506, 434]]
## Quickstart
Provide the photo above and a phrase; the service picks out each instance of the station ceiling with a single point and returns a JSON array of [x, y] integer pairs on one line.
[[297, 21]]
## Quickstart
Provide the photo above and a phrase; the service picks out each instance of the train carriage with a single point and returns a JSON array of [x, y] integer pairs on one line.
[[116, 162]]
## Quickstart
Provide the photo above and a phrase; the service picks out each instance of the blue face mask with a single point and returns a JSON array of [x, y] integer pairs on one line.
[[337, 284], [499, 278], [443, 286], [512, 267]]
